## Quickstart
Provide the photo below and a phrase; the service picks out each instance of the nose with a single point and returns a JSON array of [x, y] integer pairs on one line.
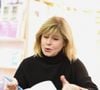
[[49, 41]]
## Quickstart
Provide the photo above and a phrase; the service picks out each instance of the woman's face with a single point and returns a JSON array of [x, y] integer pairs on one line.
[[51, 45]]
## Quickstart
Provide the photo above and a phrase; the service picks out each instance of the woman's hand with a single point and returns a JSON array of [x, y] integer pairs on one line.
[[67, 86], [12, 85]]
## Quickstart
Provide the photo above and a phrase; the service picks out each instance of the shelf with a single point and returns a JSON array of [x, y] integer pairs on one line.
[[11, 42], [11, 52], [8, 71]]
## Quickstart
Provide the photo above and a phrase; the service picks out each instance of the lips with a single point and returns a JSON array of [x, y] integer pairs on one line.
[[47, 49]]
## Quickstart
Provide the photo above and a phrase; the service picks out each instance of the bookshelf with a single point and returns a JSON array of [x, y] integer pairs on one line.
[[12, 34]]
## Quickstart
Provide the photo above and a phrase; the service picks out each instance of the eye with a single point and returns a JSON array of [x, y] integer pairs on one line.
[[46, 36], [56, 38]]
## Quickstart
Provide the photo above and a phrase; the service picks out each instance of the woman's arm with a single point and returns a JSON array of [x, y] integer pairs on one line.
[[81, 76]]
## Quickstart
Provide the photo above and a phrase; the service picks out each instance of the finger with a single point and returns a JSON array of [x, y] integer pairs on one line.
[[5, 88], [12, 87], [13, 82], [63, 80]]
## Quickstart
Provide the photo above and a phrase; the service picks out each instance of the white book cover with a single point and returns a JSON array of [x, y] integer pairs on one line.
[[45, 85]]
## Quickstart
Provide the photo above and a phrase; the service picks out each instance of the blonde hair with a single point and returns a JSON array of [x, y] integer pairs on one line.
[[53, 25]]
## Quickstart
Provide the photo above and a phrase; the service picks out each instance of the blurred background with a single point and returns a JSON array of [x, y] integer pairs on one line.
[[21, 19]]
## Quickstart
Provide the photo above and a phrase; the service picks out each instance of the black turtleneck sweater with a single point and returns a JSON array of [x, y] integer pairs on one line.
[[36, 69]]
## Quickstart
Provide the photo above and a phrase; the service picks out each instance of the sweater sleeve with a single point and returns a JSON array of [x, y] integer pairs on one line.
[[81, 76], [20, 75]]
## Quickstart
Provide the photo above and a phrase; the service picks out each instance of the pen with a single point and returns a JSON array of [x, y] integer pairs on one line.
[[8, 78]]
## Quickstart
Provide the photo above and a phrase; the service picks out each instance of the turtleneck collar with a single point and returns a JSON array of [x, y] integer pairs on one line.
[[60, 57]]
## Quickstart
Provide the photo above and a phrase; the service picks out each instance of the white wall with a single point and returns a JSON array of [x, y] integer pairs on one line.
[[84, 28]]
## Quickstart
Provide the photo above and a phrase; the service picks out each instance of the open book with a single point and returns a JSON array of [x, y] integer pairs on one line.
[[45, 85]]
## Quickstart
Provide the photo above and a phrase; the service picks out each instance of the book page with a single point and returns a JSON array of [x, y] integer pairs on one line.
[[45, 85]]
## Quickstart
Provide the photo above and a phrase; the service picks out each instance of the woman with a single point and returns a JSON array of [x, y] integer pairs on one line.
[[54, 59]]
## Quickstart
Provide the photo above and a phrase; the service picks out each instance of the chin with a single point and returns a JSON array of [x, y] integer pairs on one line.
[[49, 55]]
